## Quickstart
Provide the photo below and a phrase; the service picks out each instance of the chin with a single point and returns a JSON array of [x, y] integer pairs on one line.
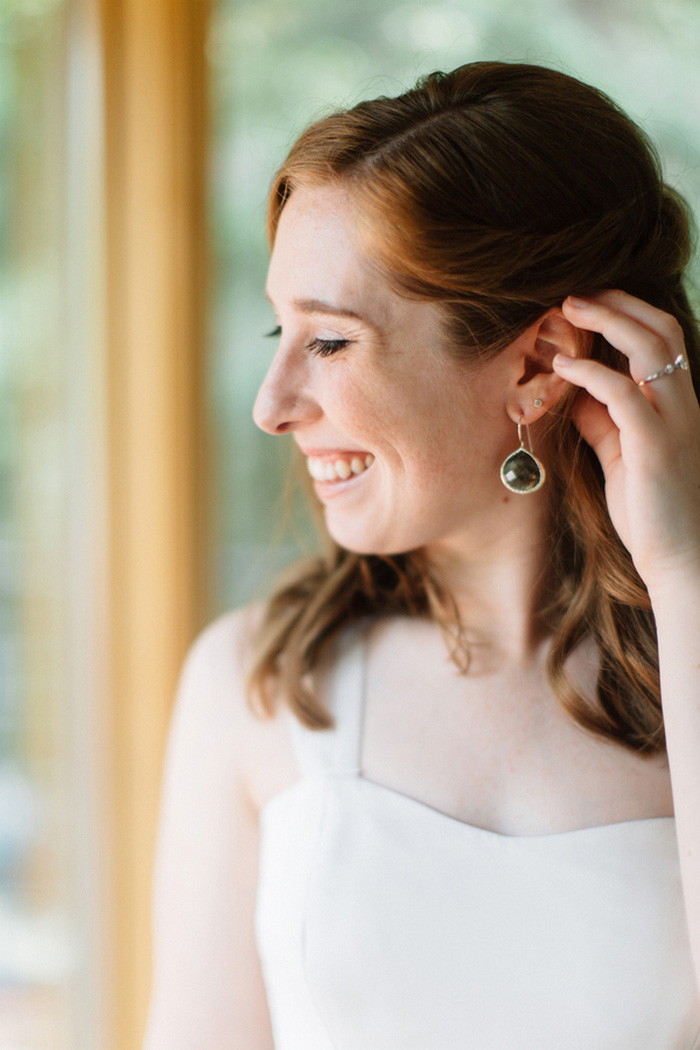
[[366, 544]]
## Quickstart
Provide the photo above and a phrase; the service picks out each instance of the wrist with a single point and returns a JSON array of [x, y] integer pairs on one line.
[[675, 587]]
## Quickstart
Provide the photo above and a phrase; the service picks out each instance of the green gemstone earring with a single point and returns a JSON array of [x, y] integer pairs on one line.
[[522, 471]]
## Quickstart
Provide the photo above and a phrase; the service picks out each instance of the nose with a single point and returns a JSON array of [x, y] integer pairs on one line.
[[285, 400]]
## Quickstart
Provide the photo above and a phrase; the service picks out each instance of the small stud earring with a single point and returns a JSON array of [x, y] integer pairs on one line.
[[537, 403], [522, 471]]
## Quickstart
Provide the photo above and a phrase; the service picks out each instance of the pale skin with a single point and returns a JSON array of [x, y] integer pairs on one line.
[[491, 748]]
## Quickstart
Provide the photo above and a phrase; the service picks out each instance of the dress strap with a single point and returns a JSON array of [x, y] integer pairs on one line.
[[337, 750]]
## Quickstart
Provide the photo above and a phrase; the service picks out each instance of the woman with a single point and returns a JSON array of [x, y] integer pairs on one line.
[[462, 809]]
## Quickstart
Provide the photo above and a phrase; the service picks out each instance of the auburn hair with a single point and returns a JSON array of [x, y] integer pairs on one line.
[[497, 190]]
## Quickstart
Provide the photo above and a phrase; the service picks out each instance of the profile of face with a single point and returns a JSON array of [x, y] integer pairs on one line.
[[403, 440]]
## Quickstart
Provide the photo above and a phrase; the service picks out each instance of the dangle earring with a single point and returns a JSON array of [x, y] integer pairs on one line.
[[522, 471]]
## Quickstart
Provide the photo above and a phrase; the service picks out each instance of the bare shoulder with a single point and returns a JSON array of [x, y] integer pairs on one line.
[[207, 986], [217, 659], [212, 693]]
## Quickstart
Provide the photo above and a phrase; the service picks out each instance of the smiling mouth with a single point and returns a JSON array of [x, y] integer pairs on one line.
[[339, 468]]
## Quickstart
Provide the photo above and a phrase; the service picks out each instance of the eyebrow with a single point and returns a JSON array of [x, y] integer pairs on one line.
[[319, 306]]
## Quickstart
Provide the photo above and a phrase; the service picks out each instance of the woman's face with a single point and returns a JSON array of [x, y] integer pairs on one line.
[[362, 376]]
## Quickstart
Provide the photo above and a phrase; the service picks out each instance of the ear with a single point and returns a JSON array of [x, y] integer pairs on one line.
[[534, 379]]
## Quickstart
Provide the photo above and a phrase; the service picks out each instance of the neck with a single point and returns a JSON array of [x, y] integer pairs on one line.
[[500, 584]]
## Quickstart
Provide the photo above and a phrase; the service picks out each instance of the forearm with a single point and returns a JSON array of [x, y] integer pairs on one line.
[[677, 612]]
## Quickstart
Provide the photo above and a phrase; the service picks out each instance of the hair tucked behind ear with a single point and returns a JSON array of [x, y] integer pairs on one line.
[[497, 190]]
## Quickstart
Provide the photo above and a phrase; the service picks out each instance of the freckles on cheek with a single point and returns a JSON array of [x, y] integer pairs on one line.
[[425, 467]]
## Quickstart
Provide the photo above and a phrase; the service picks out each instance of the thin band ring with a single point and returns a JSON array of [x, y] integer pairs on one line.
[[667, 370]]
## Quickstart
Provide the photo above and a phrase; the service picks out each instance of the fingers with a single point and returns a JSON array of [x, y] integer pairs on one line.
[[648, 419], [646, 314], [650, 339], [626, 404], [597, 429]]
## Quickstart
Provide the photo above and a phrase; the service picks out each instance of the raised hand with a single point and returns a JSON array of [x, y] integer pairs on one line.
[[647, 437]]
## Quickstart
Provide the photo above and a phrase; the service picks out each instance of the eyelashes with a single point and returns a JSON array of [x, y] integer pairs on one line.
[[320, 347], [326, 347]]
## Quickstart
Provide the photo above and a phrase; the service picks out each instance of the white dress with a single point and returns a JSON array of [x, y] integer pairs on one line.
[[384, 924]]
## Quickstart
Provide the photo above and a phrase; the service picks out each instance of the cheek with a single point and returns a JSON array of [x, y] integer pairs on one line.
[[360, 405], [427, 425]]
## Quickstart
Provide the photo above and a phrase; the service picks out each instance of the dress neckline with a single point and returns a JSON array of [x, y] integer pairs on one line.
[[335, 755], [476, 828], [400, 798]]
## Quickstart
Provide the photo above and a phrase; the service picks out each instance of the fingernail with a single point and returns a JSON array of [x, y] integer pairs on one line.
[[563, 361], [572, 300]]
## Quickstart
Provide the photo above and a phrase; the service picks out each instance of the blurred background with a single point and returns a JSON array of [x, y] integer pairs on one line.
[[137, 500]]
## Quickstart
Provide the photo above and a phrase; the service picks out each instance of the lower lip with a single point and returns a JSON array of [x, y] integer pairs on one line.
[[326, 490]]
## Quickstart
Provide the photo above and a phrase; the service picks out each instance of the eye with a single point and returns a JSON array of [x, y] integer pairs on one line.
[[326, 347], [275, 333]]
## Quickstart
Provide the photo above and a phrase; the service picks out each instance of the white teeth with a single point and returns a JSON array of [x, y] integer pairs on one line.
[[340, 469], [317, 469]]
